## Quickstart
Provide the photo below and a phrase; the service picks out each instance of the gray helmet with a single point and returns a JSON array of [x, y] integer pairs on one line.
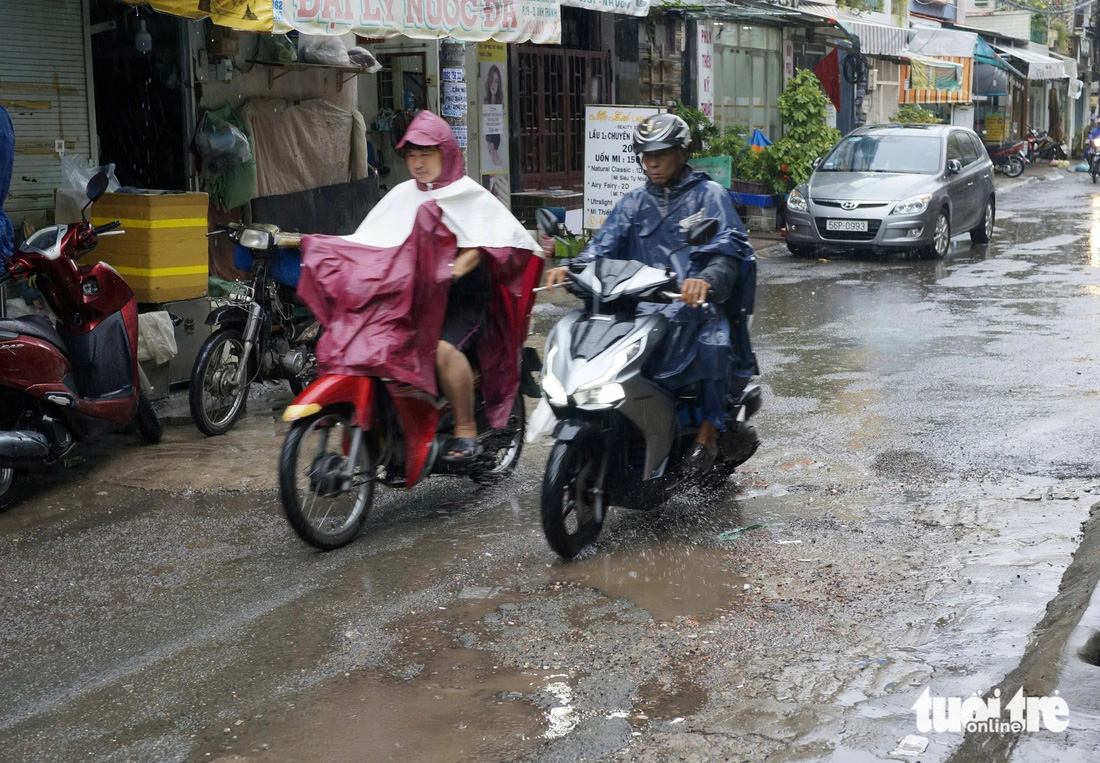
[[661, 131]]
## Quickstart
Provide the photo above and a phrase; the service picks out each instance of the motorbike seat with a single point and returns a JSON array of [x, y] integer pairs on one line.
[[37, 326]]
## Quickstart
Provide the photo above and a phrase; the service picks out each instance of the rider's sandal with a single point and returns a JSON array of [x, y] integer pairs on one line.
[[466, 449], [701, 458]]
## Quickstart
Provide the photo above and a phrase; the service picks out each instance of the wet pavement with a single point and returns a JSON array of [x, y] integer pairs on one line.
[[917, 519]]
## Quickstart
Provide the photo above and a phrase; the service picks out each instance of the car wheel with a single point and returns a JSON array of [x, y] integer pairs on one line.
[[941, 238], [984, 232], [799, 250]]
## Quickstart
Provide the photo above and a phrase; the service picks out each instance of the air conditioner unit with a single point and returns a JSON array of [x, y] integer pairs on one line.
[[872, 79]]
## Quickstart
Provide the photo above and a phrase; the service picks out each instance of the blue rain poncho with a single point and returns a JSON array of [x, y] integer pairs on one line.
[[706, 344]]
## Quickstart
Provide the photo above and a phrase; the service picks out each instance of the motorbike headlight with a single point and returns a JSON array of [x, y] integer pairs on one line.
[[552, 388], [255, 238], [1096, 142], [914, 205], [604, 396], [797, 202]]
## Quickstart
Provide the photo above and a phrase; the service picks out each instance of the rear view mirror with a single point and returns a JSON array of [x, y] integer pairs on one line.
[[703, 231], [548, 221], [97, 186], [954, 166]]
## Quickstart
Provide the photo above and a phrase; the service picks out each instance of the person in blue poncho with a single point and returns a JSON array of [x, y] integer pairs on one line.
[[1088, 141], [709, 342]]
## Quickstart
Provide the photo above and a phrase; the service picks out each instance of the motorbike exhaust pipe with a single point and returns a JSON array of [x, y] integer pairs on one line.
[[19, 449]]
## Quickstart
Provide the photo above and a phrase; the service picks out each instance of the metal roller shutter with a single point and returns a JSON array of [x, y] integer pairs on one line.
[[45, 84]]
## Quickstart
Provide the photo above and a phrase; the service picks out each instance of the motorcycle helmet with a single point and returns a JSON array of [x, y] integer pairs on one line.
[[661, 131]]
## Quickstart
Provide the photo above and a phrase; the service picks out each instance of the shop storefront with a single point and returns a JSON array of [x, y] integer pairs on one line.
[[748, 76]]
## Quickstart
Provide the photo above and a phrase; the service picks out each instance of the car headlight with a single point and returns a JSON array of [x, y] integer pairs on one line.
[[599, 397], [914, 205], [553, 389], [255, 238], [797, 202]]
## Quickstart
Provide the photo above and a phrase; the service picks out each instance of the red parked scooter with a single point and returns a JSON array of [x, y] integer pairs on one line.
[[61, 385]]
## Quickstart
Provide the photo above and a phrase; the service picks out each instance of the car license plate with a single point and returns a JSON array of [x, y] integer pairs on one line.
[[855, 226]]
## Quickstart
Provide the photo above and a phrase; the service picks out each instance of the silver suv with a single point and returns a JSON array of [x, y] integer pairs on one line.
[[895, 187]]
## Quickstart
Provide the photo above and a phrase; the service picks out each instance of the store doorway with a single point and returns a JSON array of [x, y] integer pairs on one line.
[[139, 94]]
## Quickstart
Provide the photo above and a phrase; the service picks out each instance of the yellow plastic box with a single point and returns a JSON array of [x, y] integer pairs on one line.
[[163, 255]]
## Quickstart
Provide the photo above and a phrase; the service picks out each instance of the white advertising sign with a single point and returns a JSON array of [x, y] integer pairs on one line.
[[623, 7], [705, 69], [610, 166], [471, 20]]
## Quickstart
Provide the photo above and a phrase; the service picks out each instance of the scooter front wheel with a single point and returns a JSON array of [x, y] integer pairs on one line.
[[326, 499], [148, 425], [217, 396], [573, 498]]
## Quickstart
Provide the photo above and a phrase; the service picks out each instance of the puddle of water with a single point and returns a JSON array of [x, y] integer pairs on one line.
[[667, 579], [666, 703], [460, 707]]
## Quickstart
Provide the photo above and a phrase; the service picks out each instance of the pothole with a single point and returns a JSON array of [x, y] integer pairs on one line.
[[1090, 652]]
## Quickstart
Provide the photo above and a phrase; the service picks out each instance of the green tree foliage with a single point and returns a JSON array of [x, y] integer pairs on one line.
[[912, 113], [802, 105]]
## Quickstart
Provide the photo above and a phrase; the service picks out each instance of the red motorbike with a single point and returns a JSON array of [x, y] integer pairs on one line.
[[61, 385], [350, 432]]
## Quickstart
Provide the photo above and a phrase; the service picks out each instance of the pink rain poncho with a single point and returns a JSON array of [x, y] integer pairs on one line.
[[381, 292]]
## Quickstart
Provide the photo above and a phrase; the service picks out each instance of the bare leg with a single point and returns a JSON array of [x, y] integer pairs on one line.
[[456, 381], [706, 435]]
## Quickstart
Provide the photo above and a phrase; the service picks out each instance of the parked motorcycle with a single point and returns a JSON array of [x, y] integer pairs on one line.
[[1008, 158], [620, 437], [63, 384], [1040, 146], [262, 333], [349, 433]]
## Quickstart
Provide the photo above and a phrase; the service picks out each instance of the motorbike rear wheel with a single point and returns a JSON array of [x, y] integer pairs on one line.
[[573, 496], [148, 425], [505, 446], [326, 509], [1014, 166], [9, 488], [215, 397]]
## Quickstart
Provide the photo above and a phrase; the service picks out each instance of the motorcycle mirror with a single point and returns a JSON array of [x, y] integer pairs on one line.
[[954, 166], [546, 221], [703, 231], [97, 186]]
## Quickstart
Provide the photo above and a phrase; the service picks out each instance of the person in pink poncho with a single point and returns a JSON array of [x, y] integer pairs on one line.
[[439, 269]]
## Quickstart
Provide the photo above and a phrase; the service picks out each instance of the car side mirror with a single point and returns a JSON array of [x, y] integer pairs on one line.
[[954, 166], [703, 231], [816, 162]]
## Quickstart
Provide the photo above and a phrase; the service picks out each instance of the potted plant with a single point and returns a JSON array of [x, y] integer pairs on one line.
[[802, 106]]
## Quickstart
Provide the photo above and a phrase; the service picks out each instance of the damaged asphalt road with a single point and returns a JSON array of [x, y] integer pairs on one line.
[[918, 518]]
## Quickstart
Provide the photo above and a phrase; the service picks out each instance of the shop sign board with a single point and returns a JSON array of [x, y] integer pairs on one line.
[[610, 166], [493, 102], [994, 128], [622, 7], [705, 68], [469, 20]]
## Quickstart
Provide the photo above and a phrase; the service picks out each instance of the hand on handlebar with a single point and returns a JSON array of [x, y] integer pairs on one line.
[[694, 291], [555, 277]]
